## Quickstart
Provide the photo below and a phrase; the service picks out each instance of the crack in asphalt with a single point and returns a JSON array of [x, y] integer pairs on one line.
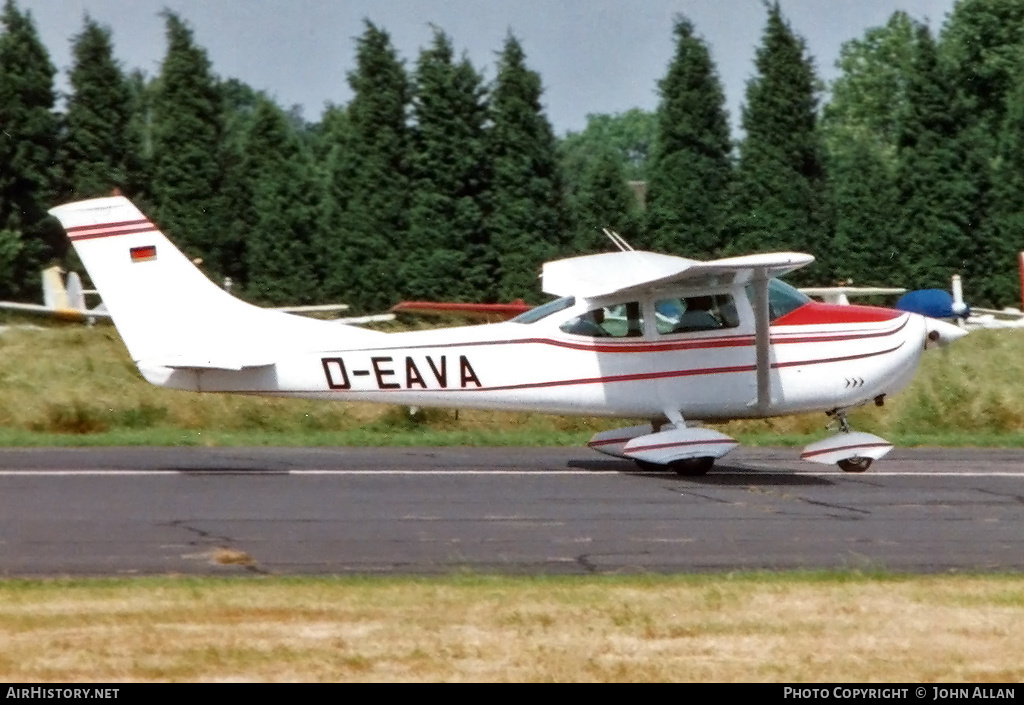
[[223, 552]]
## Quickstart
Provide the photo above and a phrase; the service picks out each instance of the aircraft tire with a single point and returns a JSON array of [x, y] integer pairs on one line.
[[648, 466], [692, 467], [854, 464]]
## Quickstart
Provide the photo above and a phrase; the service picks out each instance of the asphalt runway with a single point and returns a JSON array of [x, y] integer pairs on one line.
[[423, 511]]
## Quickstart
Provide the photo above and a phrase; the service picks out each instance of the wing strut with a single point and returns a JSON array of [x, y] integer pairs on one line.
[[762, 339]]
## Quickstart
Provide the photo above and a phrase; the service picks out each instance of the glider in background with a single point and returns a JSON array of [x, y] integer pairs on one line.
[[62, 301]]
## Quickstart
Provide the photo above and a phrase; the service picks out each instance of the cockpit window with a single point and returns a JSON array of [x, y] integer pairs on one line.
[[615, 321], [545, 310], [782, 298], [696, 313]]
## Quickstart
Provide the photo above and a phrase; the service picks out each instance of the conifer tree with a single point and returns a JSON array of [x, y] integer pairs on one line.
[[447, 255], [982, 50], [995, 281], [186, 136], [604, 199], [140, 135], [334, 150], [240, 105], [367, 225], [780, 191], [939, 199], [284, 207], [864, 193], [28, 144], [98, 151], [687, 193], [860, 129], [983, 41], [528, 223]]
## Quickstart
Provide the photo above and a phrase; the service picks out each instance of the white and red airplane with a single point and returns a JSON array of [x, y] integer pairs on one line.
[[634, 334]]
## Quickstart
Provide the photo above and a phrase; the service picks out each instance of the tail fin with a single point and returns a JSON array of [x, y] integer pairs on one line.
[[75, 292], [166, 310]]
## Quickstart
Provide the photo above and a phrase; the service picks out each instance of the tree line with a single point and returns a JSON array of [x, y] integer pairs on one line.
[[435, 183]]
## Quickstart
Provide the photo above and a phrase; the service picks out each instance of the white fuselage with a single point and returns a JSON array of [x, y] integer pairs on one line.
[[822, 357]]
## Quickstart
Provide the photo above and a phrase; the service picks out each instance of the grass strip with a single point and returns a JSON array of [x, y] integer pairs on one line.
[[800, 627]]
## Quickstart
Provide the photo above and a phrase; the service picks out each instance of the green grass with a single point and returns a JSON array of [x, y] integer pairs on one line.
[[15, 438], [72, 385], [353, 437]]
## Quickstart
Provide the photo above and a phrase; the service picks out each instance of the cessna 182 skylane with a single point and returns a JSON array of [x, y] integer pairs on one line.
[[633, 334]]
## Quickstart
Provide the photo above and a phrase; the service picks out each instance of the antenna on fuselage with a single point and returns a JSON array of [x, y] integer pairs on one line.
[[617, 240]]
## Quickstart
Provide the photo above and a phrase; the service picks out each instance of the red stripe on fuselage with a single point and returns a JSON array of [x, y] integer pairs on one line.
[[637, 377], [670, 374], [643, 346]]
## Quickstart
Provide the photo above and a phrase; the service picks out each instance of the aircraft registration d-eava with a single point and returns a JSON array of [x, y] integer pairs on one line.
[[663, 339]]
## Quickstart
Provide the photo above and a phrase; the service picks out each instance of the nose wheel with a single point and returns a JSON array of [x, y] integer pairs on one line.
[[852, 451], [857, 463]]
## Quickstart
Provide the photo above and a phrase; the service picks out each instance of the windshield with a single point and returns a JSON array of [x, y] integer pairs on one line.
[[782, 298], [544, 310]]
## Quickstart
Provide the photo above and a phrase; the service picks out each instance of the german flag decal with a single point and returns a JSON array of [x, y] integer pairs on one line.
[[144, 253]]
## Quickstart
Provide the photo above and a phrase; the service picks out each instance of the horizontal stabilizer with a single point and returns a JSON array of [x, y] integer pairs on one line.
[[207, 362], [61, 314]]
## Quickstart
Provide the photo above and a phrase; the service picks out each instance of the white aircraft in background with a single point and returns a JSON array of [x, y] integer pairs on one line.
[[634, 334], [934, 303], [66, 302], [841, 294], [62, 301], [950, 304]]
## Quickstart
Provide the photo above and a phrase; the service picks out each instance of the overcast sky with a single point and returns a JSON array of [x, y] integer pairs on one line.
[[594, 56]]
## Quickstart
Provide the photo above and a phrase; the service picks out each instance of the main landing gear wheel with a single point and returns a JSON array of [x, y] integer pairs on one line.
[[692, 467], [648, 466], [854, 464]]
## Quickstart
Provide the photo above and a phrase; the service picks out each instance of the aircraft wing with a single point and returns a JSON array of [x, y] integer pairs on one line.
[[1011, 313], [592, 276], [315, 308], [855, 290], [369, 318], [208, 361], [335, 308], [63, 314], [841, 294], [502, 311]]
